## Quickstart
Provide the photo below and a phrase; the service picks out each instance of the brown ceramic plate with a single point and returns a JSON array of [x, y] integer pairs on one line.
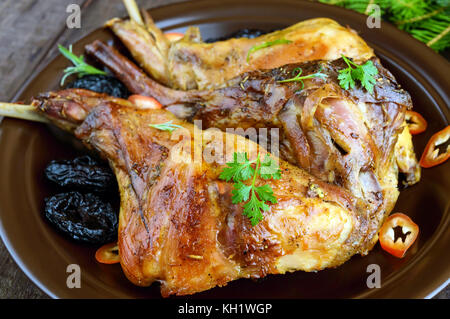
[[43, 254]]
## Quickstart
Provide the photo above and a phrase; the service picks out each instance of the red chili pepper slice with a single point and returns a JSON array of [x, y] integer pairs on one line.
[[416, 123], [387, 238], [108, 254], [431, 156], [145, 102]]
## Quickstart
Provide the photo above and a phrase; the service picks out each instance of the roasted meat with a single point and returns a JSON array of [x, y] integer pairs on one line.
[[177, 223], [340, 151], [192, 64], [346, 137]]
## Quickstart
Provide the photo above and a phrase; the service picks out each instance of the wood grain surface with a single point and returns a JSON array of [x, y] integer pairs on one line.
[[29, 32]]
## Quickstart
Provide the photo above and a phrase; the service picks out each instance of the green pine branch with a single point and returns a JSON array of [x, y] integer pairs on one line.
[[426, 20]]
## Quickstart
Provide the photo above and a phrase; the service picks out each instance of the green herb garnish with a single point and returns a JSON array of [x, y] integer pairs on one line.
[[80, 67], [299, 78], [426, 20], [168, 126], [242, 169], [363, 73], [266, 45]]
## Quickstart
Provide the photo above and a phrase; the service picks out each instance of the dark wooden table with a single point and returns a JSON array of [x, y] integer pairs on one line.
[[29, 32]]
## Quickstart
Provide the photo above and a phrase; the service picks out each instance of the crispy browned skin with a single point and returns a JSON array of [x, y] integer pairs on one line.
[[346, 137], [177, 223], [126, 71], [139, 83], [73, 104], [191, 64]]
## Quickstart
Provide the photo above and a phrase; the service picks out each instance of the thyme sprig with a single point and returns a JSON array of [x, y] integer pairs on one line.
[[299, 78], [80, 66], [266, 45], [167, 126]]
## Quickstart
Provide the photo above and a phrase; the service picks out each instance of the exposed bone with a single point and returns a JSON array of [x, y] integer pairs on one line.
[[21, 111], [133, 11]]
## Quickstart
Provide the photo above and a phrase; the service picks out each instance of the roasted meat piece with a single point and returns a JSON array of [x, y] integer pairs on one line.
[[346, 137], [177, 223], [192, 64]]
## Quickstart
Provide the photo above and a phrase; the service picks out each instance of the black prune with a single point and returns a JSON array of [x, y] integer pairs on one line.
[[242, 33], [83, 173], [101, 84], [83, 217]]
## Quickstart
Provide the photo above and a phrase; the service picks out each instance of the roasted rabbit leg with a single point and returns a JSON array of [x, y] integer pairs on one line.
[[192, 64], [346, 137], [177, 223]]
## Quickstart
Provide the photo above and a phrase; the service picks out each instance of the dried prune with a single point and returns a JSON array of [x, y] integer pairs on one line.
[[82, 173], [101, 84], [82, 217]]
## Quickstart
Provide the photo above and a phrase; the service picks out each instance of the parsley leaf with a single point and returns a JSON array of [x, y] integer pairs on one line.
[[345, 79], [240, 193], [253, 208], [240, 170], [365, 74], [269, 169], [265, 193]]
